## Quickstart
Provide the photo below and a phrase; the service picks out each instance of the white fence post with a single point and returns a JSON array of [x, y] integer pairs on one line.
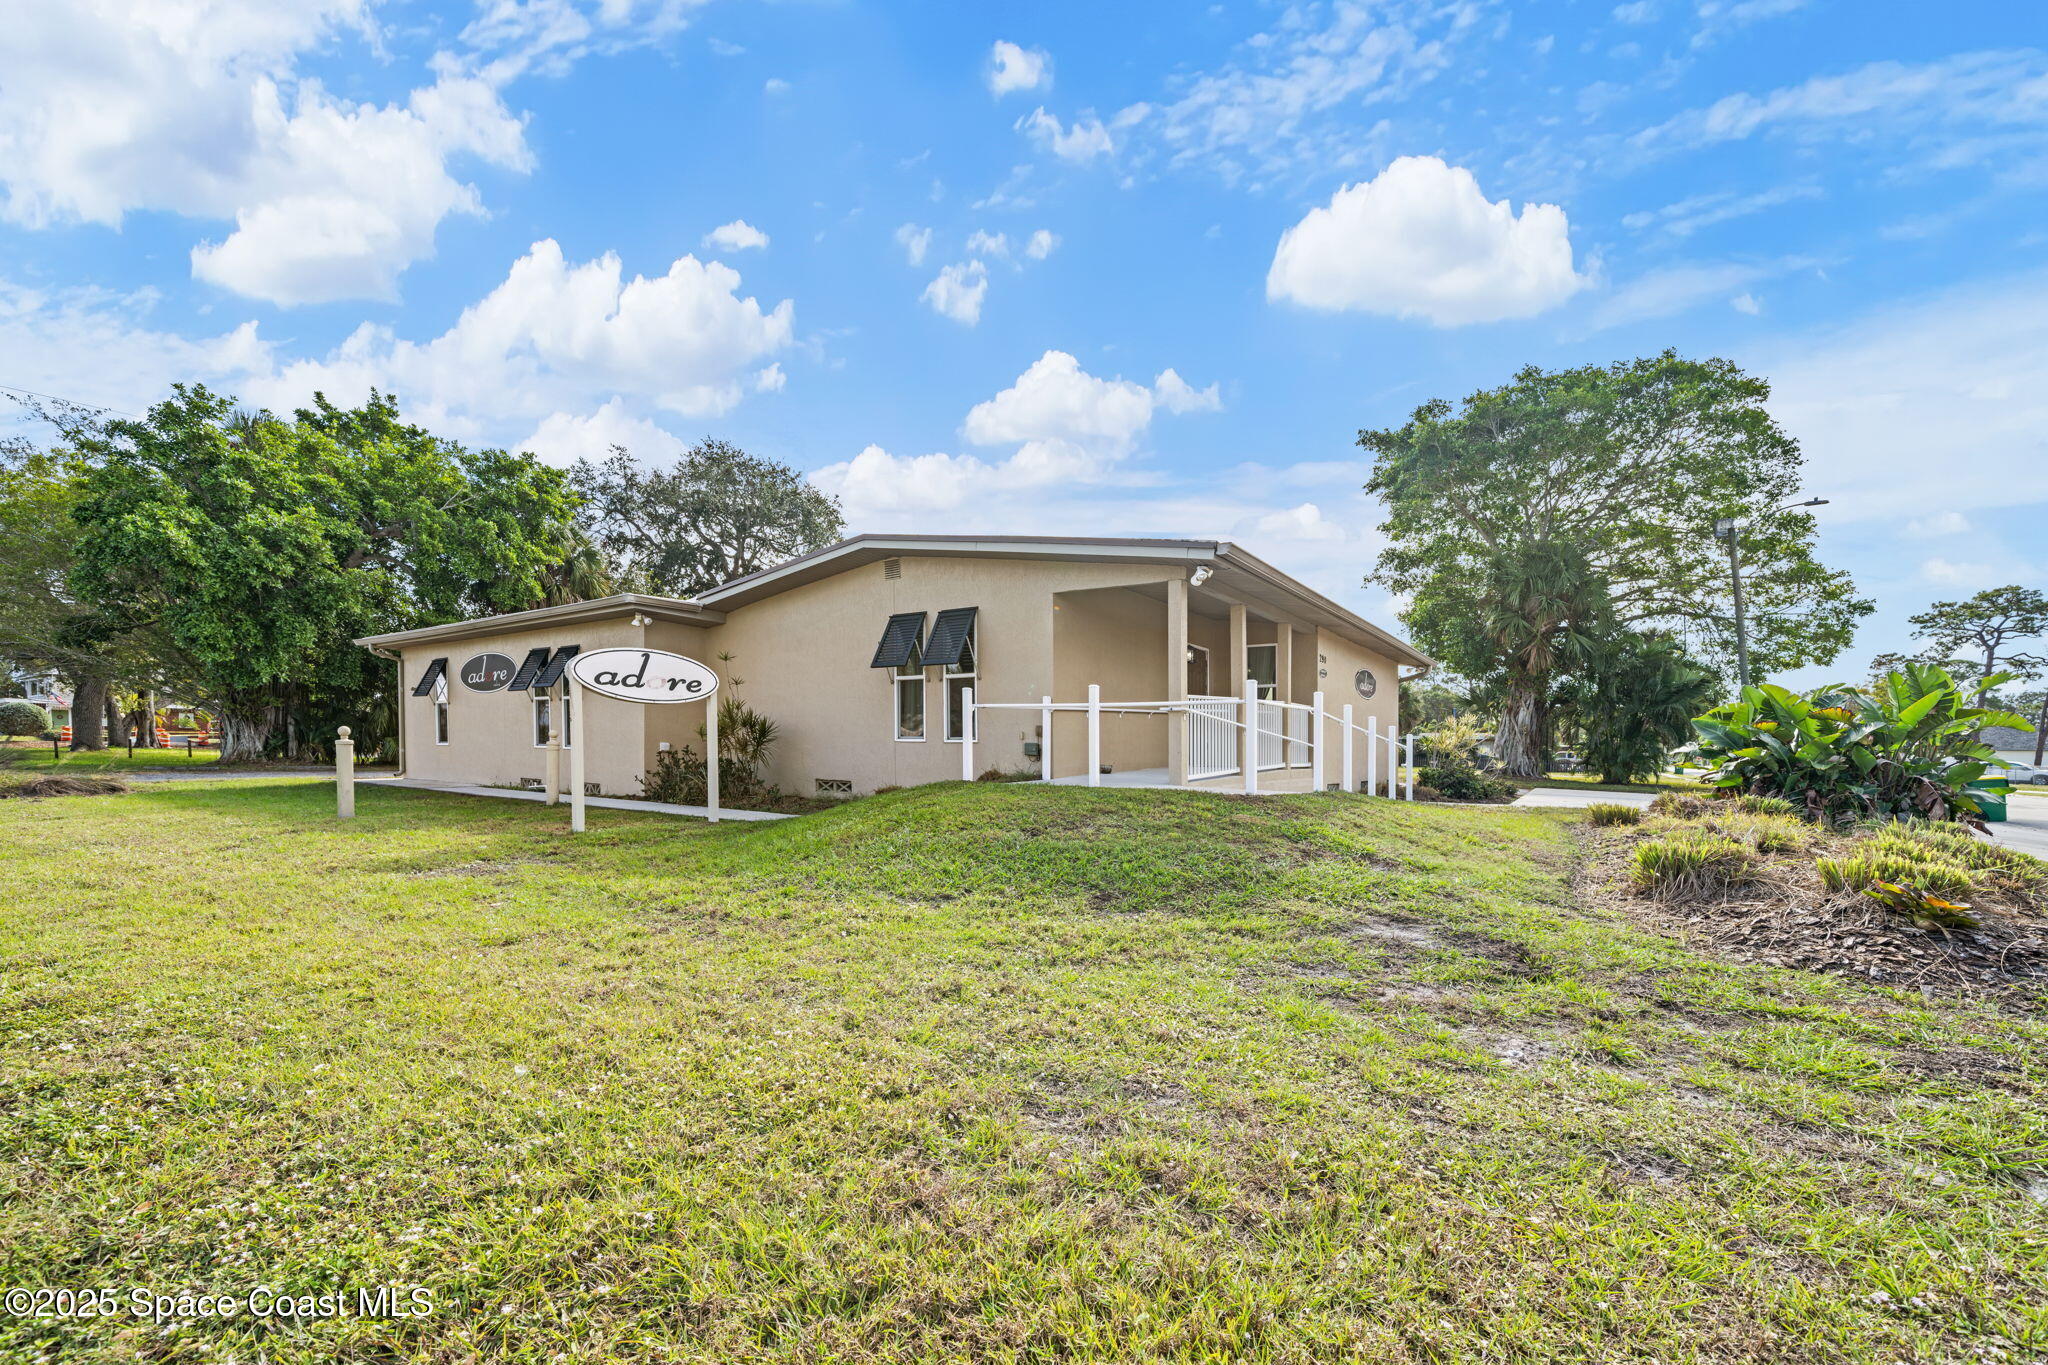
[[1045, 738], [966, 734], [1349, 737], [1094, 734], [1251, 736], [1393, 764], [1411, 765], [576, 756], [1319, 731], [1372, 755], [710, 754], [344, 774]]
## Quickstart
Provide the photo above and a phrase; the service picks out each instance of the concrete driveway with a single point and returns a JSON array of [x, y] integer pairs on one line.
[[1579, 796], [2026, 824]]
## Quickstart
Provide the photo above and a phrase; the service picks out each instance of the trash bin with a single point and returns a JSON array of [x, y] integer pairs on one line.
[[1991, 802]]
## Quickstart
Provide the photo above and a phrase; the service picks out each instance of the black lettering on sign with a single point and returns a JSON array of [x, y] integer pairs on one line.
[[487, 672]]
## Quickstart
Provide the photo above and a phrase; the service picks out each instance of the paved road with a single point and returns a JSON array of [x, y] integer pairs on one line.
[[1579, 796], [2025, 825]]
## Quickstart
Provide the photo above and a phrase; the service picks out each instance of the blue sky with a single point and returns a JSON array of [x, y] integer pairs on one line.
[[1134, 269]]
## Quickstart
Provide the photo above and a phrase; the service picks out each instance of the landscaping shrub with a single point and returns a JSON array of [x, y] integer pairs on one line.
[[1678, 806], [1870, 865], [744, 738], [18, 717], [1765, 805], [1907, 747], [1463, 784], [1690, 863], [1609, 813], [1764, 833]]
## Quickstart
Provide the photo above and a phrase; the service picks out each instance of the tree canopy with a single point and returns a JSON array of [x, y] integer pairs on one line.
[[258, 547], [1986, 625], [1536, 518], [717, 514]]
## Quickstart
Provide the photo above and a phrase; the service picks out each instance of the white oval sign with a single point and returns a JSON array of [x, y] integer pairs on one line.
[[649, 675]]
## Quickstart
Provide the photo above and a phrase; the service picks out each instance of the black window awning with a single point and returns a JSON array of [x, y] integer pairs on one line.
[[430, 677], [535, 660], [950, 632], [902, 638], [557, 666]]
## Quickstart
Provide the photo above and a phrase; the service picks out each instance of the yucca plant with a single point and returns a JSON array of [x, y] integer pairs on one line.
[[1613, 813], [1870, 866], [1906, 748]]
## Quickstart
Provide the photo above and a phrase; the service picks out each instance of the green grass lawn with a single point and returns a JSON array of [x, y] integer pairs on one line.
[[969, 1073], [37, 755]]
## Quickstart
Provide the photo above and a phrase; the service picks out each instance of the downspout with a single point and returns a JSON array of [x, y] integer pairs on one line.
[[398, 698]]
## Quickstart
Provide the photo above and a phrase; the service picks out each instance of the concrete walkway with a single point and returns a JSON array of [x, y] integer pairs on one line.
[[1580, 797]]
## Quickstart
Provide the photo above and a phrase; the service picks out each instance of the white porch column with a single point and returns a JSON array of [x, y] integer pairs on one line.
[[1094, 734], [1177, 680], [1249, 753], [1350, 737], [1411, 765], [576, 756], [1240, 645], [966, 734], [1283, 665]]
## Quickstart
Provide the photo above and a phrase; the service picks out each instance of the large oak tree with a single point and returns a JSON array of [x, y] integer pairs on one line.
[[1535, 518], [257, 547]]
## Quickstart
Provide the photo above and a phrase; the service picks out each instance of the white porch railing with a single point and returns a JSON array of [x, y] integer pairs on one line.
[[1224, 732]]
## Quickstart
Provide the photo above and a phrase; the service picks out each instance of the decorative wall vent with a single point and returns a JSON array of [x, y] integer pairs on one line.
[[529, 784], [892, 568], [836, 786]]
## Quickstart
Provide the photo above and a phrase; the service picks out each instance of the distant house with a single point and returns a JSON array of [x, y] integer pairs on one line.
[[49, 692], [2013, 745]]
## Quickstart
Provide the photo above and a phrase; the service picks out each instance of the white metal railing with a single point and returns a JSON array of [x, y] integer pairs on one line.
[[1220, 742], [1212, 737]]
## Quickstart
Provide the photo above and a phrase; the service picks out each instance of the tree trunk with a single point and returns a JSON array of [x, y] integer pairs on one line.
[[1519, 744], [246, 720], [117, 724], [145, 721], [88, 712]]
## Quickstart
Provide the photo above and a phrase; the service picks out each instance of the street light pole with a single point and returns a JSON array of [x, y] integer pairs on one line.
[[1730, 530]]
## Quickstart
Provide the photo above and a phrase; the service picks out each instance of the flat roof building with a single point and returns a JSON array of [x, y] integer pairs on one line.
[[863, 652]]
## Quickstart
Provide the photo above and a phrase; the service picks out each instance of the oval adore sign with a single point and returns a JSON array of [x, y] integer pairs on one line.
[[644, 675], [487, 672]]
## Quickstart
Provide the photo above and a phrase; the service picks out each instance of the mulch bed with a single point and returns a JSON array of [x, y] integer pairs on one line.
[[1786, 918]]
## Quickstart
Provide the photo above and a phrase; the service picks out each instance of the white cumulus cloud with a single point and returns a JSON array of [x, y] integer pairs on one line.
[[1084, 141], [915, 241], [196, 107], [564, 438], [958, 290], [1042, 244], [738, 235], [1421, 241], [1176, 395], [1012, 68]]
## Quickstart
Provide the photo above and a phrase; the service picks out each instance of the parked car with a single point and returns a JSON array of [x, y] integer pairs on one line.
[[2027, 773], [1565, 761]]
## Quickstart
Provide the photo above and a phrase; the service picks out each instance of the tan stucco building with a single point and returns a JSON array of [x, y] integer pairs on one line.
[[862, 653]]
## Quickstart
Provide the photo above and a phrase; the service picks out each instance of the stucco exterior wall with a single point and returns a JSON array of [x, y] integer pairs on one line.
[[490, 734], [1337, 663], [802, 658], [804, 655]]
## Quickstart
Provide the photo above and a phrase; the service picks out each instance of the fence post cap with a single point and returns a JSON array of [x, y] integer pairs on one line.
[[343, 732]]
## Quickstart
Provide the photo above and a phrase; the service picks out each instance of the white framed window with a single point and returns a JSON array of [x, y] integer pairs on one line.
[[440, 722], [545, 709], [908, 682], [959, 677]]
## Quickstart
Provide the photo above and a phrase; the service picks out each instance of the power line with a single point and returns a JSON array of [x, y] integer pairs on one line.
[[69, 402]]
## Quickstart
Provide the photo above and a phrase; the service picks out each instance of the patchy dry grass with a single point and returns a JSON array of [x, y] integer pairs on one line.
[[970, 1073]]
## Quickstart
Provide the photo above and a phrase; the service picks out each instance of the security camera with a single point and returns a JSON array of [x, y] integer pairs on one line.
[[1200, 575]]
